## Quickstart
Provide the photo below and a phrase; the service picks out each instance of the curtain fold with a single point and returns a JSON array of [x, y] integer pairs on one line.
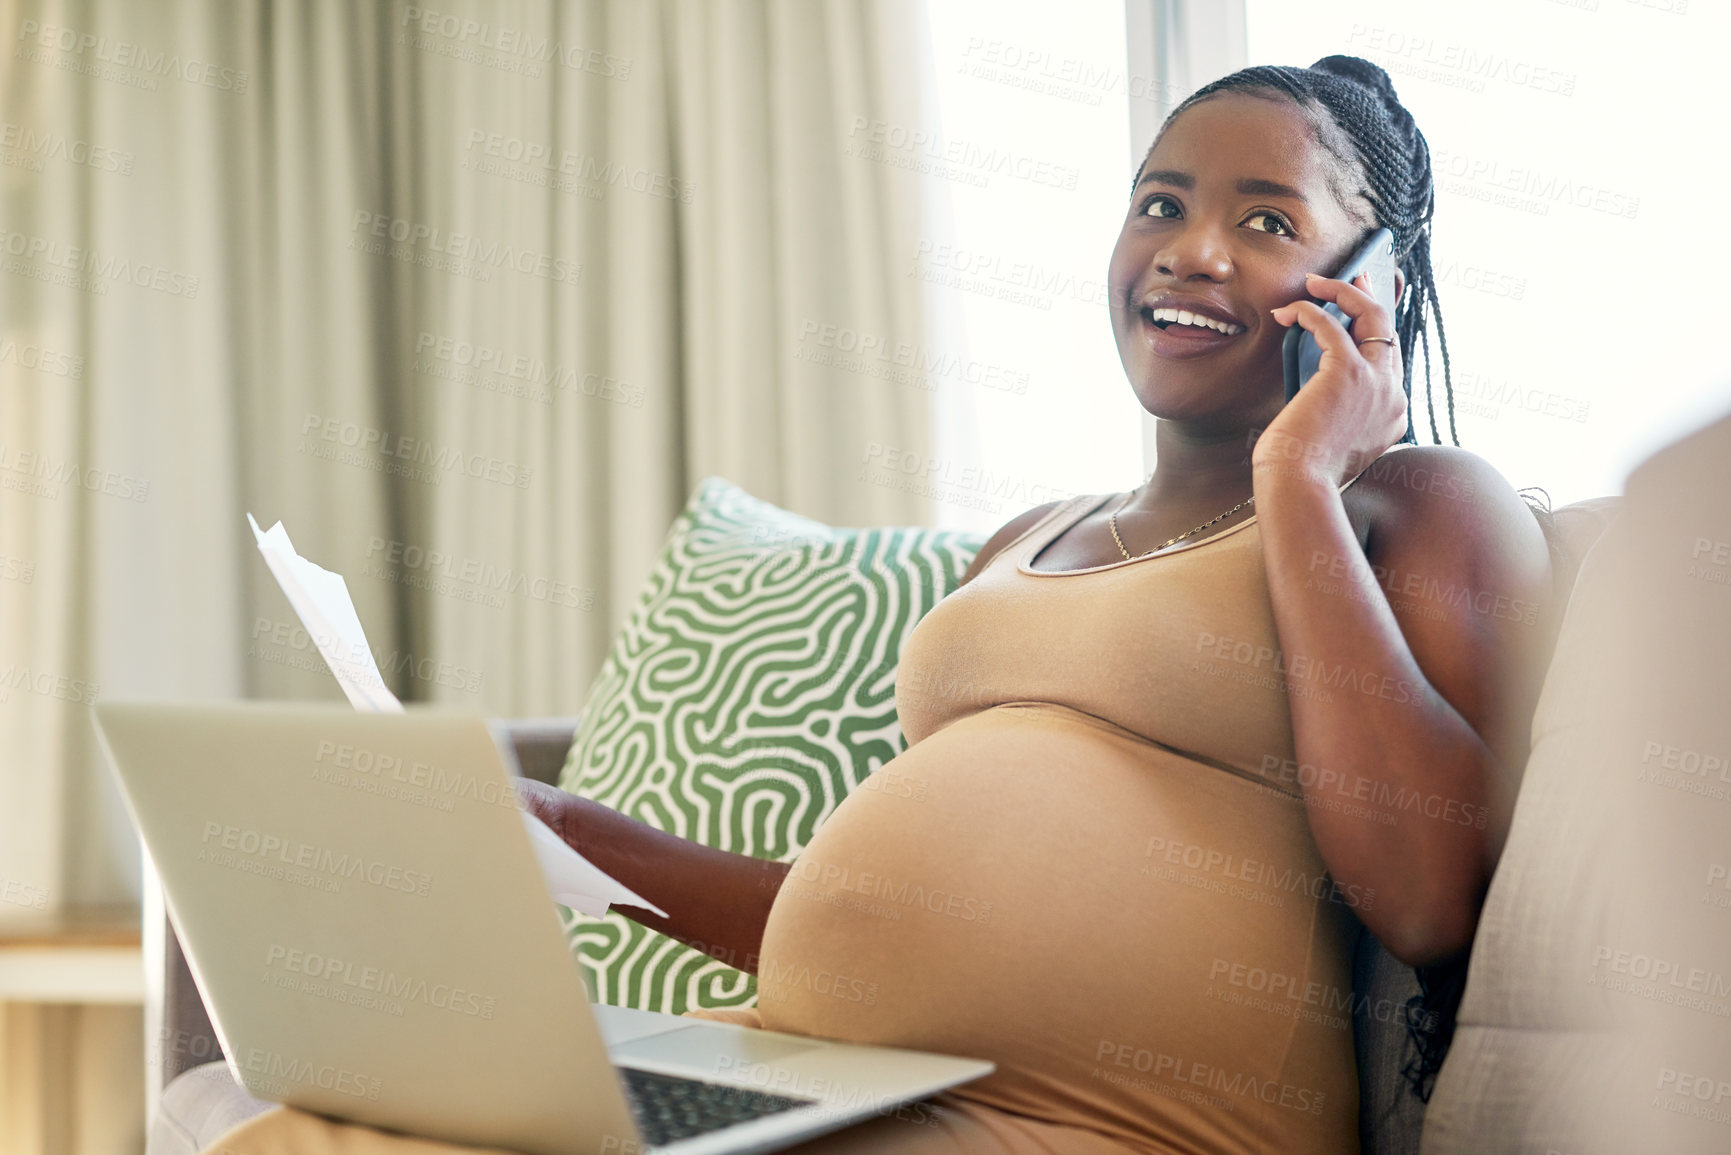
[[470, 298]]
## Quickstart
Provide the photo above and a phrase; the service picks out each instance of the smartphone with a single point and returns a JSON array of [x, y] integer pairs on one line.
[[1376, 257]]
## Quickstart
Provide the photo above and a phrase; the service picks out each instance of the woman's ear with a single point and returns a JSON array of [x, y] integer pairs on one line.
[[1399, 289]]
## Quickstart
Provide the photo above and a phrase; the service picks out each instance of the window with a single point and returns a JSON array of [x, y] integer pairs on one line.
[[1034, 181], [1580, 262]]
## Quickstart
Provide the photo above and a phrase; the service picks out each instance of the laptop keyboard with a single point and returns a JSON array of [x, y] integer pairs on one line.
[[669, 1108]]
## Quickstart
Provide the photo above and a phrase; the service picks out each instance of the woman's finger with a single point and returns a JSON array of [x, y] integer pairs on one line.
[[1365, 314], [1330, 336]]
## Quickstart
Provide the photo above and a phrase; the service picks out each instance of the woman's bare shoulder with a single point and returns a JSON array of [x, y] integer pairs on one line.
[[1443, 486], [1007, 533], [1442, 510]]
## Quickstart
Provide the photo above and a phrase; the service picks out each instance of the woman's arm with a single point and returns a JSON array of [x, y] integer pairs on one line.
[[716, 902], [1411, 677], [1412, 668]]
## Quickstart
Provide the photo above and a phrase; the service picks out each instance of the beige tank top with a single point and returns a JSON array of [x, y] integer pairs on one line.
[[1179, 648], [1089, 866]]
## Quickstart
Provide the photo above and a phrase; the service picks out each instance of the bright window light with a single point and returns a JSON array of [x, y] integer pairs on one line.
[[1032, 106], [1579, 250]]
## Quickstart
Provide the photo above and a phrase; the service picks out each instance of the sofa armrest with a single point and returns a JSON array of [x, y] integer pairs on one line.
[[186, 1039], [540, 744]]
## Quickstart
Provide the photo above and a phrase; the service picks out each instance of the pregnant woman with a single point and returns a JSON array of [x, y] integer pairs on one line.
[[1170, 742]]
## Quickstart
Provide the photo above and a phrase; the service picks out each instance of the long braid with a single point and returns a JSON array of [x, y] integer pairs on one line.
[[1359, 119], [1437, 309], [1377, 143]]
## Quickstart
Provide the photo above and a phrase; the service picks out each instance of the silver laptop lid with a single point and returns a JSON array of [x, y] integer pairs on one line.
[[360, 906]]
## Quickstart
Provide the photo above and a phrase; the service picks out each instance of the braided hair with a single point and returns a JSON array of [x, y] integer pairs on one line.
[[1383, 159]]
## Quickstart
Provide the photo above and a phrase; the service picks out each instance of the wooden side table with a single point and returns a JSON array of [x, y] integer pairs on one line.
[[71, 1031]]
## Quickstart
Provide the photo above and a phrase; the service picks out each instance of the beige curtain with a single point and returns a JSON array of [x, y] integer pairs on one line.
[[469, 295]]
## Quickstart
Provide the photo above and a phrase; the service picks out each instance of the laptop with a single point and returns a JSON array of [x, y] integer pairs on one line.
[[362, 911]]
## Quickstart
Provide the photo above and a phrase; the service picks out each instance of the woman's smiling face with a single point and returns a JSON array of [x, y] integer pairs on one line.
[[1233, 207]]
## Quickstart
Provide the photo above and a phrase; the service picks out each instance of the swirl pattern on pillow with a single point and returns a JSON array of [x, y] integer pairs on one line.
[[751, 688]]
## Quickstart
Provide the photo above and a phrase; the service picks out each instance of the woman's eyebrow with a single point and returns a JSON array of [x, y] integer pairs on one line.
[[1169, 176], [1252, 187], [1246, 186]]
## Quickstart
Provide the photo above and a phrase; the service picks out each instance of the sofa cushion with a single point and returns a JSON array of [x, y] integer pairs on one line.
[[1598, 993], [751, 688]]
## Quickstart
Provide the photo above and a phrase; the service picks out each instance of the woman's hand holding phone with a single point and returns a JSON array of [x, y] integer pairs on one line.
[[1354, 408]]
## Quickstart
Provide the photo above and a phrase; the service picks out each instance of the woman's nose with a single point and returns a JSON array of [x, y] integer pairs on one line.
[[1198, 251]]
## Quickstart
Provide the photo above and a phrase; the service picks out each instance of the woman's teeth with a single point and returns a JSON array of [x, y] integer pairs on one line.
[[1164, 317]]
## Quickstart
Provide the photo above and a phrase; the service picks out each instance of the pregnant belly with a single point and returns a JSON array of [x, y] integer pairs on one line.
[[1134, 938]]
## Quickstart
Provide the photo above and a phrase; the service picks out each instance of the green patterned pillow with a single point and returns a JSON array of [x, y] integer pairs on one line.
[[751, 688]]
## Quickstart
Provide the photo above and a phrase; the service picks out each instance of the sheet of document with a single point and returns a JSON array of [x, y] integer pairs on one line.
[[321, 600]]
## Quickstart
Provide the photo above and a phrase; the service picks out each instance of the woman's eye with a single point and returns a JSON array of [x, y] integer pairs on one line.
[[1156, 206], [1273, 224]]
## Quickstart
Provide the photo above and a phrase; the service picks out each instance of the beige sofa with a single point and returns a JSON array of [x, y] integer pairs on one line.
[[200, 1099], [1597, 1016]]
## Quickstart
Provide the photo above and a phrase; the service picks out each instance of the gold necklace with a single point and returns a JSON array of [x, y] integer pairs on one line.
[[1112, 520]]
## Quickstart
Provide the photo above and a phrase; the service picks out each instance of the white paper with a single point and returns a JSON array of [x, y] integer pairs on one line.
[[321, 600], [573, 880]]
